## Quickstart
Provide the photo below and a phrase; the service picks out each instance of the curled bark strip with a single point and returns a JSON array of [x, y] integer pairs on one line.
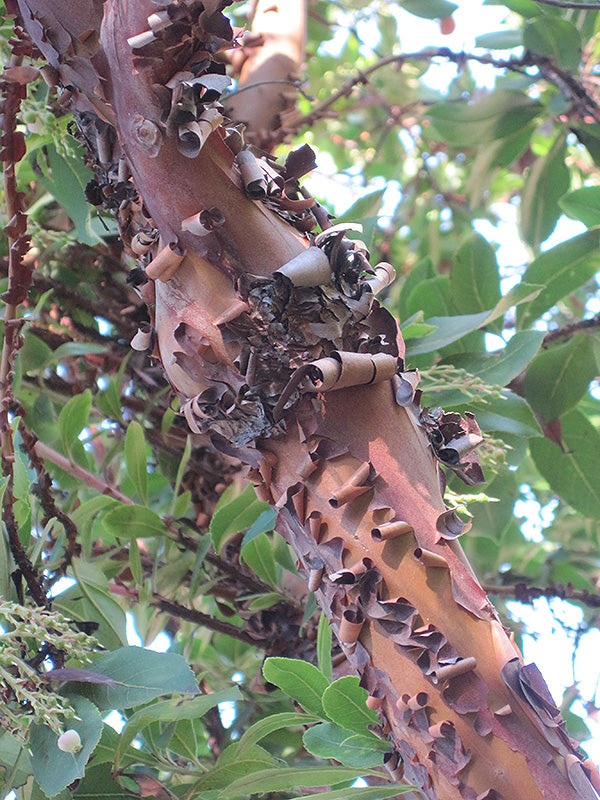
[[253, 177], [143, 338], [440, 730], [384, 275], [351, 625], [315, 577], [358, 484], [375, 700], [405, 384], [342, 369], [394, 765], [578, 778], [141, 39], [450, 526], [414, 702], [159, 20], [504, 711], [452, 670], [143, 242], [166, 263], [309, 268], [391, 530], [430, 559], [204, 222], [192, 135], [592, 772], [316, 525], [233, 312]]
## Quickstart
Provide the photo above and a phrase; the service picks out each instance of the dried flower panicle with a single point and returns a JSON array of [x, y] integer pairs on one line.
[[31, 637]]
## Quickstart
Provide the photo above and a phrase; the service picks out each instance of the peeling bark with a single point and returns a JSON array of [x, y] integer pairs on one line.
[[291, 365]]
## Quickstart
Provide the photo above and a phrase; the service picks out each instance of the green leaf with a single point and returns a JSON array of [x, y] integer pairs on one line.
[[177, 708], [234, 515], [266, 600], [521, 293], [284, 778], [508, 413], [500, 40], [89, 600], [66, 180], [447, 330], [429, 9], [422, 271], [494, 116], [98, 784], [72, 349], [561, 270], [501, 367], [548, 179], [35, 354], [526, 8], [135, 458], [432, 297], [452, 328], [234, 768], [345, 703], [264, 523], [583, 204], [54, 769], [13, 752], [414, 330], [258, 554], [351, 749], [300, 680], [135, 562], [572, 474], [133, 522], [73, 418], [362, 793], [138, 675], [554, 38], [187, 452], [474, 279], [324, 638], [181, 504], [558, 377], [268, 725]]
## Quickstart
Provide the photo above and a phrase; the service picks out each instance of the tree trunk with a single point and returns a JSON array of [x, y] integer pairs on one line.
[[300, 375]]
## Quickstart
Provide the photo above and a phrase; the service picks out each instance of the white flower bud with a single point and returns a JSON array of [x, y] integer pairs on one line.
[[69, 742]]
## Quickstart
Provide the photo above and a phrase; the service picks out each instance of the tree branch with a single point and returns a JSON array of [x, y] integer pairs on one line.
[[13, 90], [523, 593], [563, 80], [91, 480], [565, 4], [568, 330]]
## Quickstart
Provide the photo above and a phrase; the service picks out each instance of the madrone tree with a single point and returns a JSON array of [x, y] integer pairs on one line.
[[262, 312]]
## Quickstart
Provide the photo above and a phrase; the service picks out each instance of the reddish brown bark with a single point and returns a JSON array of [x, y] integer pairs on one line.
[[466, 719], [266, 92]]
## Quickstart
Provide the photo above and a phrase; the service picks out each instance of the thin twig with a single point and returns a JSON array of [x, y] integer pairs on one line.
[[44, 482], [190, 615], [527, 594], [19, 280], [565, 4], [91, 480], [565, 82], [568, 330]]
